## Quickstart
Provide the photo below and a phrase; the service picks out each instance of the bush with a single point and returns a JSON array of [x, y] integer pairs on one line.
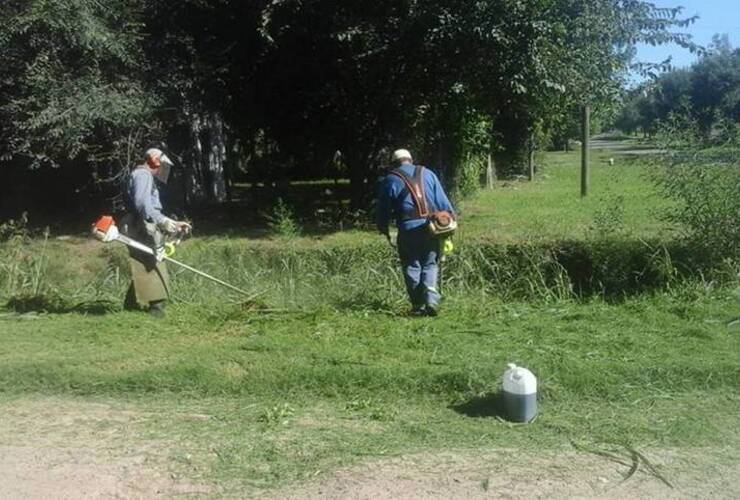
[[282, 221], [608, 218], [469, 179], [704, 185]]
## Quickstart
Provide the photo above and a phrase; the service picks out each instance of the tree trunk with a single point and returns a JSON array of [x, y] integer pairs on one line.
[[448, 167], [194, 193], [530, 158], [585, 137], [360, 192], [216, 159], [489, 176], [205, 180]]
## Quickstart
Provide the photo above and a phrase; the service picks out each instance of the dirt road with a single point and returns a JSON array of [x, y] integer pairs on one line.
[[52, 447]]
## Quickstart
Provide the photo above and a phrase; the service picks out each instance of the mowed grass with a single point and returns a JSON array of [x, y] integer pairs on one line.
[[325, 369], [286, 395], [621, 200]]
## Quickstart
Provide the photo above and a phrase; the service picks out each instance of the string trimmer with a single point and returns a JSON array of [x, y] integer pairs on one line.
[[105, 230]]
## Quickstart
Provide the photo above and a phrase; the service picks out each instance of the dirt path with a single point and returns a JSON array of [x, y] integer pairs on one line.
[[52, 447], [55, 448], [622, 147], [509, 474]]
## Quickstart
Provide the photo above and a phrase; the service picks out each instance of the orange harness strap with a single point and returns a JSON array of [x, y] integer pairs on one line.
[[415, 186]]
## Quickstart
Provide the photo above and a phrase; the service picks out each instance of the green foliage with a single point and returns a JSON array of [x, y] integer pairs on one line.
[[522, 240], [68, 79], [25, 262], [282, 221], [82, 82], [705, 96], [609, 216], [469, 180], [13, 229], [704, 184]]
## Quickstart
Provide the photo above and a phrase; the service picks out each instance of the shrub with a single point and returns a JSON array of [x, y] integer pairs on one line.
[[704, 185], [469, 180], [282, 221], [608, 218]]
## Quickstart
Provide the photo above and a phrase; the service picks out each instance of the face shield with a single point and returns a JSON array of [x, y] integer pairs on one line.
[[165, 167]]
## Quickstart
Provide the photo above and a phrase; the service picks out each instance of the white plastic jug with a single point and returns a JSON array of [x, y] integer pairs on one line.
[[519, 394]]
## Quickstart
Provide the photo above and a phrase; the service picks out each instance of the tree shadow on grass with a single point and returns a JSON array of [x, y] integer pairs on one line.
[[486, 405], [23, 304]]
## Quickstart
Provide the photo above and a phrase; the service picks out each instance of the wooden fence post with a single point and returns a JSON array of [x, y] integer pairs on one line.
[[585, 132]]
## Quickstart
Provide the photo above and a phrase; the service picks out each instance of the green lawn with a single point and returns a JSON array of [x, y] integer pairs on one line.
[[325, 369], [621, 199], [314, 390]]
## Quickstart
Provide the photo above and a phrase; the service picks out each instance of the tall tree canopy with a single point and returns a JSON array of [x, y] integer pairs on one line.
[[278, 87]]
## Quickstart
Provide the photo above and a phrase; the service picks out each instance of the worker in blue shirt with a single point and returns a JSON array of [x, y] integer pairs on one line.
[[409, 194], [145, 223]]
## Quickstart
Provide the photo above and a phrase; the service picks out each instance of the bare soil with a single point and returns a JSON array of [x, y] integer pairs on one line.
[[52, 447], [58, 448], [512, 474]]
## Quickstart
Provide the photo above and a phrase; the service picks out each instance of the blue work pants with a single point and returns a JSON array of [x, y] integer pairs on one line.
[[419, 253]]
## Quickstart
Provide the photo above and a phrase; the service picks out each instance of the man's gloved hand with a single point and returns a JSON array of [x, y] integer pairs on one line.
[[184, 227], [447, 246], [171, 226], [167, 225]]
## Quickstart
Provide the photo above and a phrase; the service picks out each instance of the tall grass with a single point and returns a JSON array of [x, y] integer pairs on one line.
[[54, 276], [521, 241]]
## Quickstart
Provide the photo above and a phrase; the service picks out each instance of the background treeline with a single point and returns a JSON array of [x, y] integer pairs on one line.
[[700, 103], [693, 114], [280, 90]]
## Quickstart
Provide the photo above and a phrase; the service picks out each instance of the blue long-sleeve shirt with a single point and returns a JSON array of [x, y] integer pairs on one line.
[[144, 196], [394, 199]]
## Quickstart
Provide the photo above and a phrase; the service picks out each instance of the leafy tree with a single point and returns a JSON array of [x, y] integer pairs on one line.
[[292, 82], [527, 62], [706, 94], [715, 85], [69, 85]]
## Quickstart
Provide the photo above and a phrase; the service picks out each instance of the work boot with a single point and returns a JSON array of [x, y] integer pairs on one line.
[[417, 310], [129, 303], [156, 308], [431, 310]]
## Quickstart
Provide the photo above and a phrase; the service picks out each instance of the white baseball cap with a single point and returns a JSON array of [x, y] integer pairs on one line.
[[401, 154]]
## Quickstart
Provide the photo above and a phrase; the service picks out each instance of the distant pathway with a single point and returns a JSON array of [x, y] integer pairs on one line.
[[624, 146]]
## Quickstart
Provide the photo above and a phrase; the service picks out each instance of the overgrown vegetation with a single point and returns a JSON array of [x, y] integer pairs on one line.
[[282, 221], [704, 183], [323, 368], [519, 241]]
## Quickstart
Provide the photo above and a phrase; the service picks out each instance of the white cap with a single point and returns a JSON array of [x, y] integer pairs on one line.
[[152, 153], [401, 154], [165, 164]]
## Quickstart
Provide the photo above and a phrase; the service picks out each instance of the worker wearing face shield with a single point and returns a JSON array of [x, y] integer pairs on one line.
[[145, 222]]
